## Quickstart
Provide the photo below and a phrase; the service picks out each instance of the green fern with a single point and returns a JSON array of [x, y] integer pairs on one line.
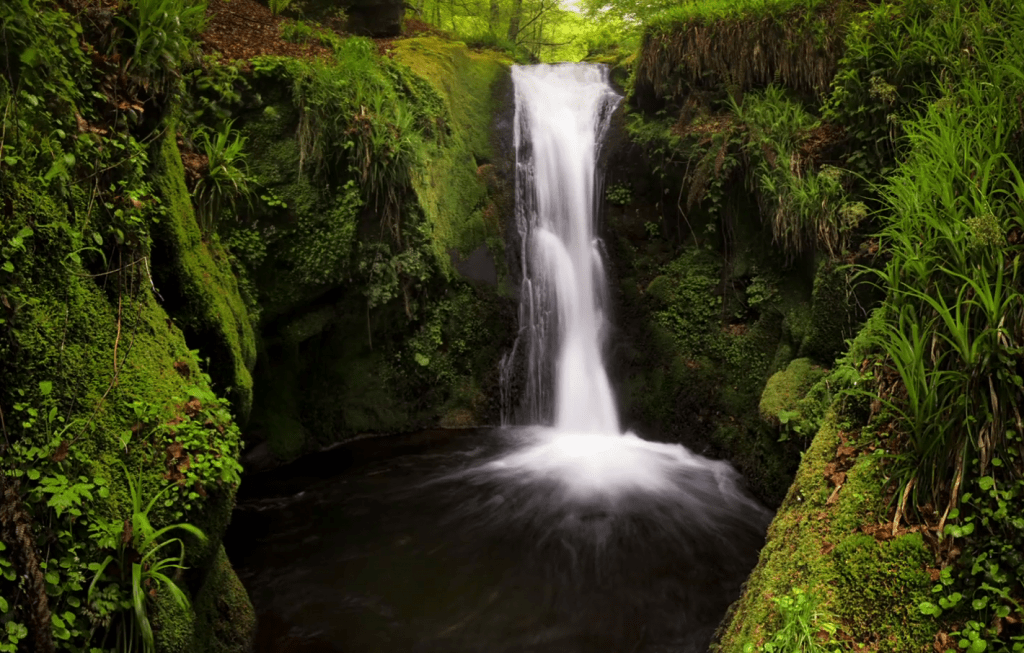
[[277, 6]]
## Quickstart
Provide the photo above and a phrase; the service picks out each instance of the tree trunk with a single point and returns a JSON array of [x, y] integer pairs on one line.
[[513, 21], [493, 23]]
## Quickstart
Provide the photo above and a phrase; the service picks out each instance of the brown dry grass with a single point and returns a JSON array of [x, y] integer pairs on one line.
[[742, 53]]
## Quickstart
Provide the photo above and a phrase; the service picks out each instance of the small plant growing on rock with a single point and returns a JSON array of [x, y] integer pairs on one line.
[[144, 564], [804, 628], [226, 178]]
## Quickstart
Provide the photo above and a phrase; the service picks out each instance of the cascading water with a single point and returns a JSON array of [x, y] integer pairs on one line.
[[561, 535], [562, 113]]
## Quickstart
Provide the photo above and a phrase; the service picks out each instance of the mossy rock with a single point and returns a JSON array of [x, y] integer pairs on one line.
[[453, 184], [831, 319], [890, 580], [196, 281], [225, 620], [69, 335], [869, 590], [786, 388]]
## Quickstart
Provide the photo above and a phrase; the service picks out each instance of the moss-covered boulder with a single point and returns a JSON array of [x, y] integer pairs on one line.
[[784, 390], [861, 588]]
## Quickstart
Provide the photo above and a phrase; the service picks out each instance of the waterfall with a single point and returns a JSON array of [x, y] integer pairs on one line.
[[561, 115]]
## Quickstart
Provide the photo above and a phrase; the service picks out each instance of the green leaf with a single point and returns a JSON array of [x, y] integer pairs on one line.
[[98, 239], [30, 56], [45, 387], [986, 482], [33, 474], [3, 605], [930, 609]]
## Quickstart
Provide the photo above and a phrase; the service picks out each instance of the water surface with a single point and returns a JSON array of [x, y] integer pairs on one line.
[[480, 541]]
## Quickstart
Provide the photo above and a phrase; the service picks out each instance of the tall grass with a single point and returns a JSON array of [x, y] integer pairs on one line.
[[953, 219], [804, 206]]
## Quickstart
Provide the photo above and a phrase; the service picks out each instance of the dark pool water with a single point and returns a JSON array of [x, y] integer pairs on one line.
[[475, 541]]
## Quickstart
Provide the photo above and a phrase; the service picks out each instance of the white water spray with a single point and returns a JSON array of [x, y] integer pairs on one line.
[[562, 113], [582, 457]]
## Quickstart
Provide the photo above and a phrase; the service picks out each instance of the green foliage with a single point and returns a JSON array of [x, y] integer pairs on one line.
[[41, 53], [952, 297], [354, 118], [525, 29], [277, 6], [691, 309], [212, 90], [953, 287], [323, 254], [143, 565], [619, 194], [84, 332], [983, 591], [157, 39], [488, 39], [806, 208], [802, 627], [446, 343], [225, 179], [705, 11], [295, 31]]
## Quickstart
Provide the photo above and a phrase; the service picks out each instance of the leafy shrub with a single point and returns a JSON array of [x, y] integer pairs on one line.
[[295, 31], [140, 550], [157, 38], [226, 178]]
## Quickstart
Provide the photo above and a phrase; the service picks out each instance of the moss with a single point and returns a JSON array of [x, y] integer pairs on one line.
[[285, 435], [70, 330], [784, 389], [452, 185], [200, 289], [890, 581], [225, 620], [872, 588], [173, 625], [831, 318]]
